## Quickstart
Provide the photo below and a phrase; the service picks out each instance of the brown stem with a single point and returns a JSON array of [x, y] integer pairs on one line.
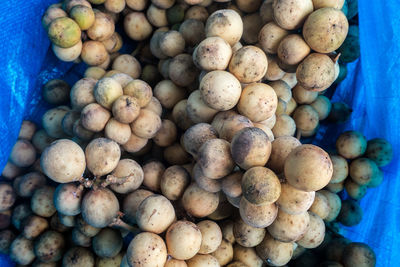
[[337, 57], [119, 224], [111, 179], [298, 136], [85, 183], [137, 50]]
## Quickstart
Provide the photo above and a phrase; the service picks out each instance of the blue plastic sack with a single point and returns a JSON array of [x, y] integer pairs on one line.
[[371, 89]]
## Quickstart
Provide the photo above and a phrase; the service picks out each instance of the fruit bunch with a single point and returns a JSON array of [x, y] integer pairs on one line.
[[186, 147], [79, 31]]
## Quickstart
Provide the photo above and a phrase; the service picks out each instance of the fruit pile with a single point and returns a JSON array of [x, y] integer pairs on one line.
[[190, 151]]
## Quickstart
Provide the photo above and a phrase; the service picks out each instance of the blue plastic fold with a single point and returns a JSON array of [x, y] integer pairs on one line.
[[372, 89]]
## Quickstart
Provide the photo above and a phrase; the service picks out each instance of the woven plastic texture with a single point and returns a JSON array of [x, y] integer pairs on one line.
[[371, 89]]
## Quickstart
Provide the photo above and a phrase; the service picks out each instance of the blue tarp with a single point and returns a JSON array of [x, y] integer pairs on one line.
[[372, 89]]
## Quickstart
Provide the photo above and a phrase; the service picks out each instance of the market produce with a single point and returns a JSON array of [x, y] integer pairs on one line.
[[190, 148]]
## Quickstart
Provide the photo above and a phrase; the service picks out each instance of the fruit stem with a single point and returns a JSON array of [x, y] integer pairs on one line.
[[111, 179], [119, 224]]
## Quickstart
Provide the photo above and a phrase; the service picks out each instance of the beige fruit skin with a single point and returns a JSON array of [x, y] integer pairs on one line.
[[259, 216], [183, 240], [288, 227], [308, 168], [291, 15], [249, 64], [53, 12], [291, 106], [174, 182], [323, 106], [315, 233], [115, 6], [294, 201], [328, 3], [182, 63], [281, 148], [224, 253], [99, 207], [282, 90], [180, 116], [340, 169], [306, 118], [62, 153], [83, 15], [68, 54], [157, 16], [351, 144], [202, 260], [132, 171], [139, 254], [246, 256], [326, 29], [94, 117], [140, 90], [320, 206], [284, 126], [146, 124], [137, 27], [102, 28], [215, 158], [197, 109], [175, 263], [270, 37], [335, 187], [334, 203], [362, 170], [276, 252], [258, 102], [155, 214], [168, 93], [166, 135], [127, 64], [260, 185], [303, 96], [137, 5], [208, 184], [195, 136], [102, 156], [246, 235], [250, 147], [220, 90], [172, 43], [212, 53], [64, 32], [225, 23], [228, 123], [199, 202], [114, 43], [316, 72], [211, 236], [293, 49], [82, 93], [274, 72], [94, 53], [106, 91]]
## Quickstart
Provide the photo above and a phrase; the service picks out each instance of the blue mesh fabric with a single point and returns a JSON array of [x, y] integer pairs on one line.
[[371, 89]]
